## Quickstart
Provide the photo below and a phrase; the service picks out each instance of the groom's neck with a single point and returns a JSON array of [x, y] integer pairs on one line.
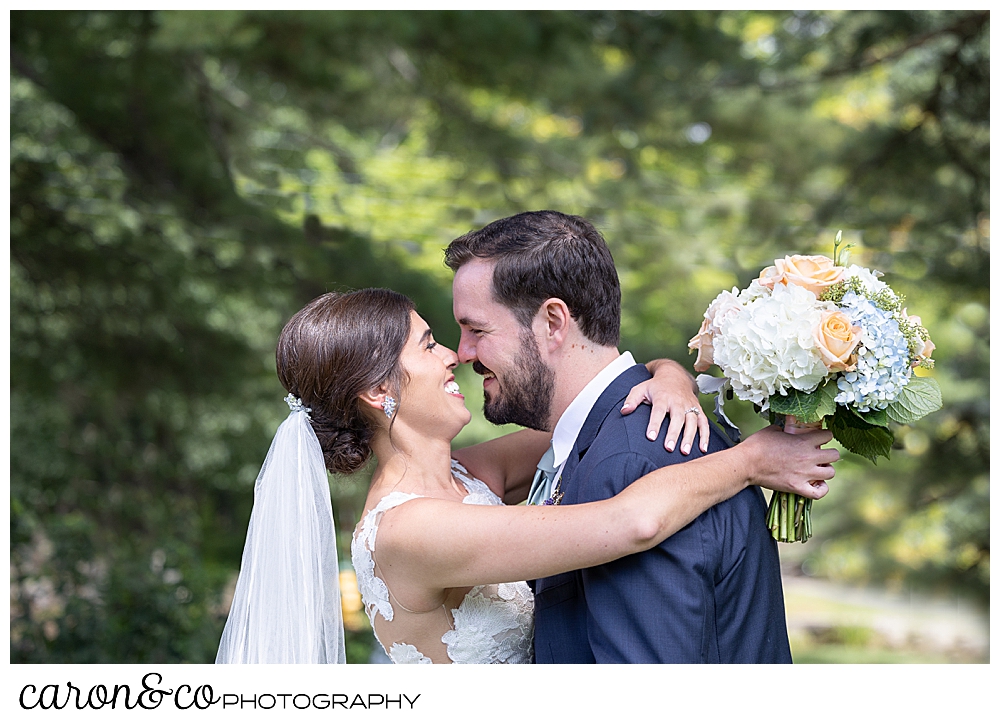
[[575, 368]]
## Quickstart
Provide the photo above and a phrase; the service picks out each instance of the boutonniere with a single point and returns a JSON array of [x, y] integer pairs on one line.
[[557, 494]]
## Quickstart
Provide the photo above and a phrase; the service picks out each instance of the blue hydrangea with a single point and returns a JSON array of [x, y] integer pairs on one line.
[[883, 367]]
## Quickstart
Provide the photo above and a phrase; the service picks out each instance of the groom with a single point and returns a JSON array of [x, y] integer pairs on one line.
[[538, 301]]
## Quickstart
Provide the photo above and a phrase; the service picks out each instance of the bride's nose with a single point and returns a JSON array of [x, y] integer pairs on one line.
[[448, 356]]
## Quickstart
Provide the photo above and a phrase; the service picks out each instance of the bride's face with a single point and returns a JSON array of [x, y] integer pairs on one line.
[[430, 399]]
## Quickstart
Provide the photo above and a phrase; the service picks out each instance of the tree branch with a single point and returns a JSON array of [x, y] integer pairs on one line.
[[965, 28]]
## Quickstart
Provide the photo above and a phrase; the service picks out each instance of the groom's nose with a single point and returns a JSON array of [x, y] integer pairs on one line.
[[466, 348]]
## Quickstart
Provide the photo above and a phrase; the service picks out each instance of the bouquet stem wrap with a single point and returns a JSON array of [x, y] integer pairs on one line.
[[790, 516]]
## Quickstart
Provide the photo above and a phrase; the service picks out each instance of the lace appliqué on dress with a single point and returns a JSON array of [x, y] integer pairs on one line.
[[479, 492], [373, 590], [493, 624], [407, 654]]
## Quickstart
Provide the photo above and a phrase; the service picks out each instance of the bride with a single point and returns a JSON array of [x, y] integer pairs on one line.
[[440, 560]]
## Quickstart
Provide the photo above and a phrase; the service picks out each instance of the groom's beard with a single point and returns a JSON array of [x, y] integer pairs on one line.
[[525, 394]]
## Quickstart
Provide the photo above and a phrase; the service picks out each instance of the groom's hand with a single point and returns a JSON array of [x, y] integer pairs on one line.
[[671, 391], [790, 463]]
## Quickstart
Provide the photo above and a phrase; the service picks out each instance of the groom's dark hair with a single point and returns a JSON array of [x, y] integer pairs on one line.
[[543, 254]]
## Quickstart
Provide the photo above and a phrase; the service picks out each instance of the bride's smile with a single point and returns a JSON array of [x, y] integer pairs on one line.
[[431, 401]]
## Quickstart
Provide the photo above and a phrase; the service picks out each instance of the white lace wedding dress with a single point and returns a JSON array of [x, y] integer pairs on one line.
[[492, 625]]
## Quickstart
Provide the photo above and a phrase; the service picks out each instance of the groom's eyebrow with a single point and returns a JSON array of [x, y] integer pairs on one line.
[[465, 321]]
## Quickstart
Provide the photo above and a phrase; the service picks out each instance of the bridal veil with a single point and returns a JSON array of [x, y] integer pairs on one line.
[[286, 608]]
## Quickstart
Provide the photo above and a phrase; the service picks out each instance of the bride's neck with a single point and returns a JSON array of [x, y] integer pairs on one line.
[[409, 461]]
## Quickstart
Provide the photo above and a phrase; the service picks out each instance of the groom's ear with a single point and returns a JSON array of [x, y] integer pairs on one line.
[[556, 320]]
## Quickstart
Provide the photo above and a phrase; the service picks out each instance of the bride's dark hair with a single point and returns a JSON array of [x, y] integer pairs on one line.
[[335, 348]]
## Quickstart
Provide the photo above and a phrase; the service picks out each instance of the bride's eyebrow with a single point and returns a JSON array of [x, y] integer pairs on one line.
[[424, 337]]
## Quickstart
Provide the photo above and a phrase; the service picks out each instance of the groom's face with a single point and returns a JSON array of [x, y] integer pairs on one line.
[[517, 384]]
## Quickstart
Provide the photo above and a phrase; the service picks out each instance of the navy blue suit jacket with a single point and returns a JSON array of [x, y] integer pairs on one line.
[[711, 593]]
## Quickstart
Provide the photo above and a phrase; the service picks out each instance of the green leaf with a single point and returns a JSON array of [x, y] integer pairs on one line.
[[800, 404], [860, 437], [806, 406], [874, 417], [827, 404], [919, 398]]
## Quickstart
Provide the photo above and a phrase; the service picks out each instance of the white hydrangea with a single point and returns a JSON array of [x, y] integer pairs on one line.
[[721, 307], [869, 278], [768, 347], [755, 291]]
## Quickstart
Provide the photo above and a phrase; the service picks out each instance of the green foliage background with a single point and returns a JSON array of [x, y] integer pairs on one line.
[[182, 182]]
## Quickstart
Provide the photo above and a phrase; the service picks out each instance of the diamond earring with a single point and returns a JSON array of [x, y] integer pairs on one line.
[[389, 406]]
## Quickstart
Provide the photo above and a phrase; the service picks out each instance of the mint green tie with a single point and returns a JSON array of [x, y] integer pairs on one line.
[[541, 486]]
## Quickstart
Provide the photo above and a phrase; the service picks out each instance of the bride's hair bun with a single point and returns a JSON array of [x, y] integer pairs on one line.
[[335, 348], [344, 450]]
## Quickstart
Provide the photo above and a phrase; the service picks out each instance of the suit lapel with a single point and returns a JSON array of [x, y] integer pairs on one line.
[[610, 401]]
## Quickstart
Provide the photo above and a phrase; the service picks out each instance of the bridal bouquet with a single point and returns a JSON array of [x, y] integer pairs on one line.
[[811, 342]]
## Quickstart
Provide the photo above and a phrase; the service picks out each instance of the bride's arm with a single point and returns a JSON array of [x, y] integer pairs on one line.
[[507, 463], [428, 545], [672, 392]]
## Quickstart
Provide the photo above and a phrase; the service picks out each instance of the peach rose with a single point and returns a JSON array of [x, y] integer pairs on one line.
[[815, 273], [769, 277], [703, 343], [836, 340]]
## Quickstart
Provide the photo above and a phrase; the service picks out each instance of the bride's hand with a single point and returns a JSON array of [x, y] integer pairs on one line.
[[671, 391], [790, 463]]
